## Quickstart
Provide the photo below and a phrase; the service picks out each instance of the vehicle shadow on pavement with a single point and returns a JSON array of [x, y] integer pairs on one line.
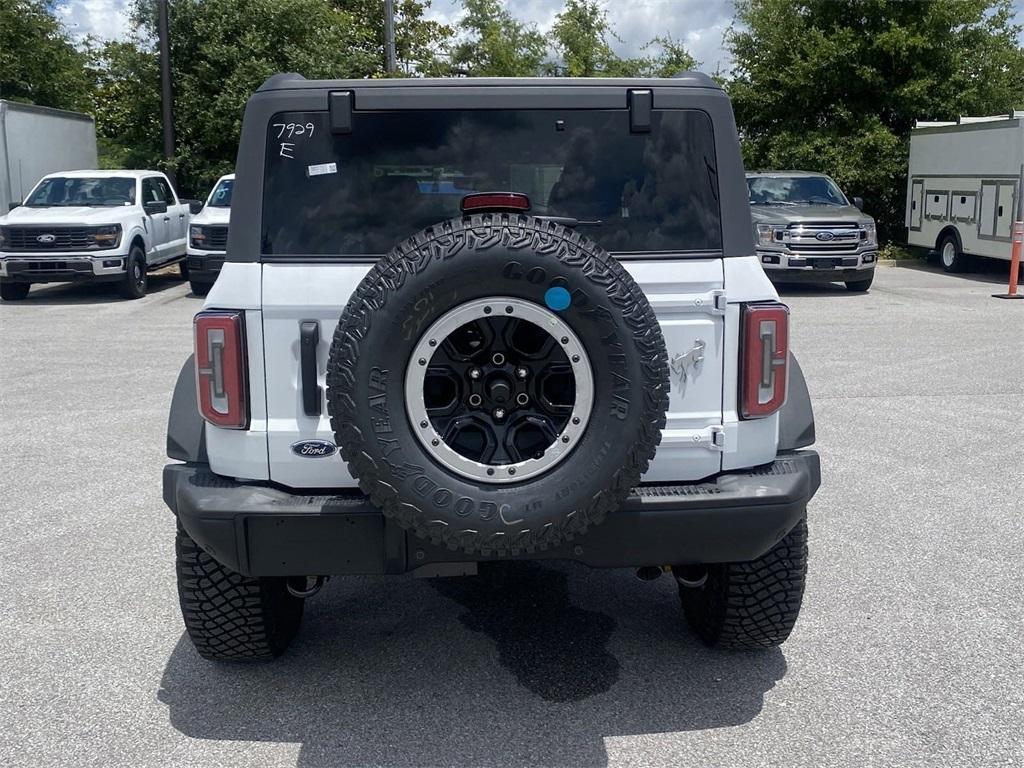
[[49, 294], [526, 664]]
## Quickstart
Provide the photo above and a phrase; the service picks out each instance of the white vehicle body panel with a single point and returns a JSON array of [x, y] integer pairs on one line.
[[965, 176], [695, 300]]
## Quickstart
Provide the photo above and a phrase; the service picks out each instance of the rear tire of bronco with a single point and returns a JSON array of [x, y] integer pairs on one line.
[[231, 617], [10, 291], [135, 278], [200, 288], [747, 606], [860, 286], [183, 268]]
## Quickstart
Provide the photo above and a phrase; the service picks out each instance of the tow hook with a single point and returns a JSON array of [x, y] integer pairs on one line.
[[691, 576], [308, 591]]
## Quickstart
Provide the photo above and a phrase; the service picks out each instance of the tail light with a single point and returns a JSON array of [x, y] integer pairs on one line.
[[764, 368], [220, 369]]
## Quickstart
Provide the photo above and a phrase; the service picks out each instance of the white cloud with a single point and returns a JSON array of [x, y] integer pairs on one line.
[[105, 19], [701, 24]]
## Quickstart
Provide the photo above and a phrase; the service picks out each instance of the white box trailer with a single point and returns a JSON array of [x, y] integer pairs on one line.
[[35, 141], [963, 186]]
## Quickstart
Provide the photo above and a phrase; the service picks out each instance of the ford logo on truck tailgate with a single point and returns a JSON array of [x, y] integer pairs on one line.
[[314, 449], [47, 238]]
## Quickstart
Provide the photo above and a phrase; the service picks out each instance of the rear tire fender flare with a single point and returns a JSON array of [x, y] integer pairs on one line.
[[186, 430], [796, 418]]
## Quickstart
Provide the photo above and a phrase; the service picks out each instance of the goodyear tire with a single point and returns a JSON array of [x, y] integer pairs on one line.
[[497, 384]]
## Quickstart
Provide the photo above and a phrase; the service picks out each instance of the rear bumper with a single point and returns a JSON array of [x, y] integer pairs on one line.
[[260, 530]]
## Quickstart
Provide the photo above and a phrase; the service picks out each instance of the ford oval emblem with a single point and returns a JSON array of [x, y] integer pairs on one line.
[[47, 238], [826, 236], [314, 449]]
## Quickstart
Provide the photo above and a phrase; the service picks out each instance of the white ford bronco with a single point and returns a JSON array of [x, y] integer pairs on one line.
[[479, 320], [103, 226]]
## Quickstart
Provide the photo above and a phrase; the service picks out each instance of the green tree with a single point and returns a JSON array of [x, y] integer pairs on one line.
[[39, 63], [420, 43], [126, 105], [836, 86], [582, 37], [495, 44], [221, 51]]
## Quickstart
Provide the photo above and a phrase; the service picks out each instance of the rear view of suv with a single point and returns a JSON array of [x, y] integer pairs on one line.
[[472, 321], [807, 230], [208, 236]]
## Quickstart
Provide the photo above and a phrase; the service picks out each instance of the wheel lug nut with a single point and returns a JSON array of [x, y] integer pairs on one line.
[[498, 359], [474, 373], [499, 413], [475, 400], [522, 373], [522, 398]]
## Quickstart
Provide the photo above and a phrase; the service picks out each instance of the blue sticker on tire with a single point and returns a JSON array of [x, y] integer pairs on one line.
[[557, 298]]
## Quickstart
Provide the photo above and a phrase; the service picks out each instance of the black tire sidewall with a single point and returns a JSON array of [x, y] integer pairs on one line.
[[130, 288], [627, 358]]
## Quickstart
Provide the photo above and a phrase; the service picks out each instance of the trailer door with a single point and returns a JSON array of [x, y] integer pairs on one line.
[[916, 203], [1005, 209], [987, 210]]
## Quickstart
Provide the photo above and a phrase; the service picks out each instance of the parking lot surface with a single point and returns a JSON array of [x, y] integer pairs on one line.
[[909, 651]]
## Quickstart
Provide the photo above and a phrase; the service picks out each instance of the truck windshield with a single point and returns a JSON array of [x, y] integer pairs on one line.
[[82, 191], [794, 190], [362, 192], [221, 197]]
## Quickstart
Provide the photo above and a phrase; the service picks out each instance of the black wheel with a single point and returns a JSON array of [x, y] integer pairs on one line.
[[135, 278], [860, 286], [746, 606], [951, 257], [231, 617], [183, 268], [200, 288], [498, 384], [11, 291]]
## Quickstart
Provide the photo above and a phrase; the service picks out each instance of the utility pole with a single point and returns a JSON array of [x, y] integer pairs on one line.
[[166, 95], [390, 58]]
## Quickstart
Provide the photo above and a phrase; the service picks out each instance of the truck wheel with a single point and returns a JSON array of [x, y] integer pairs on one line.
[[498, 384], [950, 255], [200, 288], [135, 278], [11, 291], [231, 617], [183, 268], [860, 286], [746, 606]]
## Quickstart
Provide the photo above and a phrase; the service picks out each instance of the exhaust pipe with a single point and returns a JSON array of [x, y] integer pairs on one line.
[[308, 591], [648, 572]]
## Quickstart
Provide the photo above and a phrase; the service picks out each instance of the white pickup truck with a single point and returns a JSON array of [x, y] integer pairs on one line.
[[111, 226]]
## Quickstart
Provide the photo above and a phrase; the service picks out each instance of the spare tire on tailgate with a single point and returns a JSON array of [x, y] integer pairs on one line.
[[497, 383]]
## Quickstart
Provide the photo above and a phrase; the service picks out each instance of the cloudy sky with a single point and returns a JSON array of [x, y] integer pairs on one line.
[[699, 23]]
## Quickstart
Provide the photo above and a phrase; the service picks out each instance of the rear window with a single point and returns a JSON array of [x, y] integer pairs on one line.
[[397, 172]]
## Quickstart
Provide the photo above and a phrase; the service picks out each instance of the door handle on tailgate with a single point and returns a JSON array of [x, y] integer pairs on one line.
[[309, 338]]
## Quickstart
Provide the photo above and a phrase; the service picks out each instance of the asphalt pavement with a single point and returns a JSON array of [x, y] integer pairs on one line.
[[909, 650]]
